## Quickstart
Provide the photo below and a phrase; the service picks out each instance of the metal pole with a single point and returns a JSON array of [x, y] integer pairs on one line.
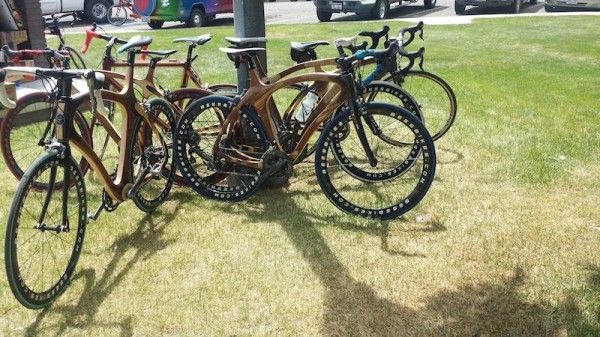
[[249, 21]]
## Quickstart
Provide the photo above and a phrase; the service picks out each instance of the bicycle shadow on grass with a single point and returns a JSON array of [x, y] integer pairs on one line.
[[144, 242]]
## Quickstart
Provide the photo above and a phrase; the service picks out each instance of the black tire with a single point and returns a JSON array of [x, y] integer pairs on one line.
[[324, 16], [196, 18], [76, 61], [459, 9], [97, 10], [429, 4], [40, 262], [515, 7], [380, 10], [156, 24], [436, 99], [533, 2], [195, 138], [182, 98], [152, 156], [117, 15], [23, 132], [379, 197]]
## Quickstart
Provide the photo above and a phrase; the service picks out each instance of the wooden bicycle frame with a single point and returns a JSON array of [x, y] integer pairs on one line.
[[131, 109], [188, 72], [337, 89]]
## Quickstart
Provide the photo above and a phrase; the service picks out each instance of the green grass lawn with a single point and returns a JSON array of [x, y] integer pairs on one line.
[[504, 244]]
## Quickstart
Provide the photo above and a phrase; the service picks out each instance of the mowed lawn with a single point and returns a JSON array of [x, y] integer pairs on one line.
[[504, 244]]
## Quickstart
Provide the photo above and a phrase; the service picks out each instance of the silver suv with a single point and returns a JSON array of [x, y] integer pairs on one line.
[[515, 5], [377, 9]]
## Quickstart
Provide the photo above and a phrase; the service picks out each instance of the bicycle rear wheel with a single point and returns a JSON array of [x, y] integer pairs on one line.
[[45, 230], [435, 97], [27, 128], [152, 152], [117, 15], [195, 139], [388, 188]]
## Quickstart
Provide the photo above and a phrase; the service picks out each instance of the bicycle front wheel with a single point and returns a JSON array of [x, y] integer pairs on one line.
[[117, 15], [385, 188], [45, 230], [76, 58], [434, 96]]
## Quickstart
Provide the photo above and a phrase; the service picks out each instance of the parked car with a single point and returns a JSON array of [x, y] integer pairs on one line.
[[377, 9], [515, 5], [571, 5], [195, 13], [91, 10]]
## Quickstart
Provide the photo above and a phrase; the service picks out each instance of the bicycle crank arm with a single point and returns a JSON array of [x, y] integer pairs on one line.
[[270, 171], [138, 182]]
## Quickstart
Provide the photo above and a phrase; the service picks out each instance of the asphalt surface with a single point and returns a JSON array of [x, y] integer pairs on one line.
[[300, 12]]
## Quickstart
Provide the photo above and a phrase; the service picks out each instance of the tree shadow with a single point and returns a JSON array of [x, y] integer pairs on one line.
[[354, 308], [128, 250]]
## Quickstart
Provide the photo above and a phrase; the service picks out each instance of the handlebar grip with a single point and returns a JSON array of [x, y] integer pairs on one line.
[[89, 34], [4, 100], [412, 31]]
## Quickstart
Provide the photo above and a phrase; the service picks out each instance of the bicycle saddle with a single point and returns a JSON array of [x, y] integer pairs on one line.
[[240, 51], [135, 41], [196, 41], [303, 46], [245, 42], [159, 53]]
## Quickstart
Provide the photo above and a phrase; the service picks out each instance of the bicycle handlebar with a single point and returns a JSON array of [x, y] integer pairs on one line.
[[91, 33], [94, 80], [111, 41], [16, 55], [375, 36], [346, 62], [412, 31]]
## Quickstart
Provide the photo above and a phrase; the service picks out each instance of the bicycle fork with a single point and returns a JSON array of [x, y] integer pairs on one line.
[[63, 155], [356, 114]]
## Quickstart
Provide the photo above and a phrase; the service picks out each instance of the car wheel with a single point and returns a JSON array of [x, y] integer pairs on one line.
[[324, 16], [459, 9], [429, 4], [381, 9], [533, 2], [156, 24], [97, 10], [516, 7], [196, 18]]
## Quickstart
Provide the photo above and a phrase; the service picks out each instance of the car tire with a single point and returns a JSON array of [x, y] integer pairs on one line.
[[97, 11], [515, 7], [196, 19], [429, 4], [324, 16], [156, 24], [381, 10], [533, 2], [459, 9]]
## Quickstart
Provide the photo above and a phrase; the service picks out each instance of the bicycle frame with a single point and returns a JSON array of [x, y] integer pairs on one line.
[[118, 187], [337, 88], [188, 72]]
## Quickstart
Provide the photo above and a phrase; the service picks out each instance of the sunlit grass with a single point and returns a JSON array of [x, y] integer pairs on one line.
[[504, 244]]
